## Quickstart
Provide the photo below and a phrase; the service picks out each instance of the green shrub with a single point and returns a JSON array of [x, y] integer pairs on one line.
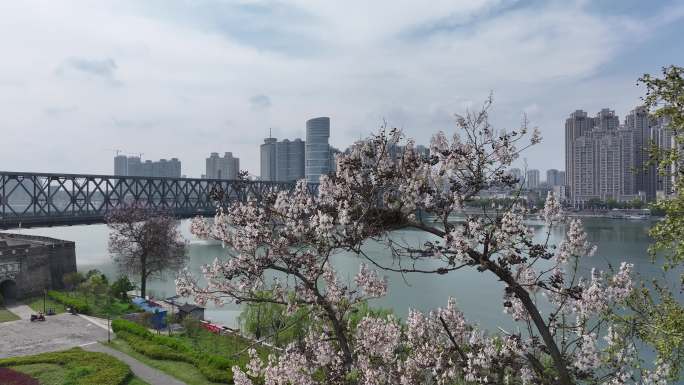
[[76, 303], [84, 368], [214, 367], [152, 350], [131, 327]]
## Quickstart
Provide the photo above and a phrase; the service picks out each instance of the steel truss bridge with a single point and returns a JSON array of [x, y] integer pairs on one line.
[[38, 199]]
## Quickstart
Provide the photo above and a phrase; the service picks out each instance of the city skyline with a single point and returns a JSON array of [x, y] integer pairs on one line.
[[118, 76]]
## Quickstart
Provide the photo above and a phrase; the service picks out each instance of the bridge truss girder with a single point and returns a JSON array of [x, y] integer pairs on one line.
[[42, 199]]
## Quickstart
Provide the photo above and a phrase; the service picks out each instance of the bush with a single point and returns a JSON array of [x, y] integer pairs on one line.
[[2, 300], [76, 303], [85, 368], [153, 350], [121, 287], [130, 327], [214, 367]]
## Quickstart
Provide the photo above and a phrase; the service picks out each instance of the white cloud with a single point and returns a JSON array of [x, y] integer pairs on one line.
[[186, 89]]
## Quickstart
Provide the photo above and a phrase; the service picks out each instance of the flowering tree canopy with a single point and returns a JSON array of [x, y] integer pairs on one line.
[[383, 184]]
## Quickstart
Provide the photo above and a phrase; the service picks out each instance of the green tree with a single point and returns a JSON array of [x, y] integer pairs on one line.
[[121, 287], [72, 280], [658, 314], [271, 321]]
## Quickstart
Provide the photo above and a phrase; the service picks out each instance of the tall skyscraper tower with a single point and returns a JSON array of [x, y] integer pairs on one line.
[[268, 159], [638, 122], [290, 160], [317, 154], [575, 126]]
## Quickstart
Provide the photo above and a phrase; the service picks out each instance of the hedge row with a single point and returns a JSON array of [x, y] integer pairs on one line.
[[93, 368], [214, 367], [76, 303]]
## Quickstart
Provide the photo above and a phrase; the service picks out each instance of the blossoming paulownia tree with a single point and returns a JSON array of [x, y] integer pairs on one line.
[[380, 186]]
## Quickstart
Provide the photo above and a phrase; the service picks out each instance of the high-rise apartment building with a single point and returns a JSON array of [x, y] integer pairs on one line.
[[600, 158], [575, 126], [532, 179], [290, 158], [282, 161], [317, 154], [661, 136], [606, 120], [120, 165], [268, 159], [133, 166], [226, 167], [638, 122], [553, 177]]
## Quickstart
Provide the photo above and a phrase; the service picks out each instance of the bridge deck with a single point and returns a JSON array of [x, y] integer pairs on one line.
[[48, 199]]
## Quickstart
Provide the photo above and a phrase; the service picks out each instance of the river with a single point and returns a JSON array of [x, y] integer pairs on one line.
[[477, 294]]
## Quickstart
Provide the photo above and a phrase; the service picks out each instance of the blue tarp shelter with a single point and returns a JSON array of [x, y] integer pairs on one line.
[[158, 318]]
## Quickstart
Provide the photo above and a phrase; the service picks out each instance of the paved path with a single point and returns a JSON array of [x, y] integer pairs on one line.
[[146, 373], [24, 312]]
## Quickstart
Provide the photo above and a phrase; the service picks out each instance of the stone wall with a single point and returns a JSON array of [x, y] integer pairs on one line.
[[42, 262]]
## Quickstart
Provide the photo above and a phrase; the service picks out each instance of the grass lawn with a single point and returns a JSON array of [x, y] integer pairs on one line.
[[6, 315], [51, 374], [98, 305], [73, 366], [181, 370], [36, 303]]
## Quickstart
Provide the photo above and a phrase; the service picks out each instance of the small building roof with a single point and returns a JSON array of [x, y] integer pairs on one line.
[[189, 308]]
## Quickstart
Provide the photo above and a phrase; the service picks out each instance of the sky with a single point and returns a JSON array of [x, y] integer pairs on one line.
[[182, 78]]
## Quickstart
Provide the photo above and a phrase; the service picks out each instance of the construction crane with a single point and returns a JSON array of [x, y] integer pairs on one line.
[[114, 150], [117, 152]]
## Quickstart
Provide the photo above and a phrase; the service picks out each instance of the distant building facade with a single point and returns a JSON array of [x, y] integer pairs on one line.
[[638, 122], [606, 160], [532, 179], [226, 167], [133, 166], [317, 149], [290, 160], [120, 165], [555, 177], [282, 161], [268, 159]]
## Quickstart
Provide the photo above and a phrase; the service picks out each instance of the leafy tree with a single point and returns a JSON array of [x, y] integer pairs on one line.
[[658, 314], [72, 280], [665, 97], [121, 287], [145, 242], [270, 321]]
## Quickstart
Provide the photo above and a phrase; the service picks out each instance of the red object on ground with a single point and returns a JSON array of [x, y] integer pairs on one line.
[[216, 329], [12, 377]]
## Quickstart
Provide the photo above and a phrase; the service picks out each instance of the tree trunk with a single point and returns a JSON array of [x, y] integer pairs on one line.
[[143, 275], [522, 294]]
